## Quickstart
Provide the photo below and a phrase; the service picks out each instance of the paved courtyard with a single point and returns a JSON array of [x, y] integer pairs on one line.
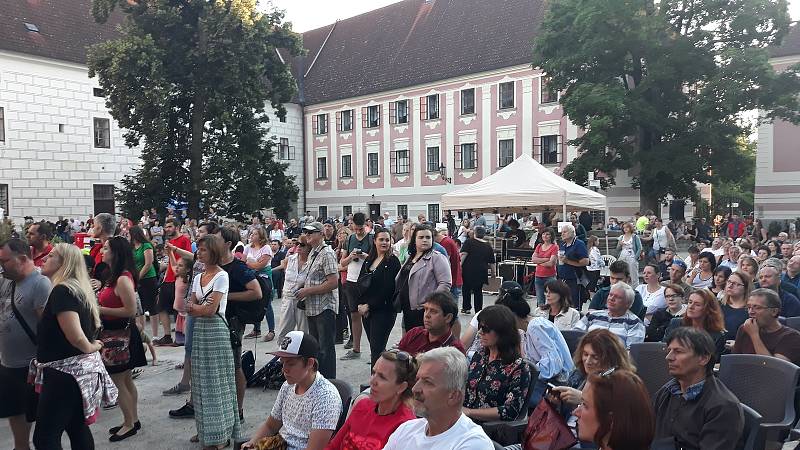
[[159, 432]]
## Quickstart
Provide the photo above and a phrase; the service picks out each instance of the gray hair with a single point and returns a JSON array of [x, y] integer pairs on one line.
[[568, 228], [629, 296], [108, 223], [454, 366], [773, 263]]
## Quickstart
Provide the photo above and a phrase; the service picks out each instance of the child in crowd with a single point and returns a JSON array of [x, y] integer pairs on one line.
[[183, 271]]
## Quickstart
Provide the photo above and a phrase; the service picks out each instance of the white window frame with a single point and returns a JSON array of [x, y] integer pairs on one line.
[[500, 95], [377, 165], [349, 166], [322, 170], [428, 154], [94, 132], [500, 154], [461, 101]]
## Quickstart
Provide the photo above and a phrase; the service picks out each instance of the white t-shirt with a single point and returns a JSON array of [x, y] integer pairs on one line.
[[253, 255], [652, 300], [317, 409], [463, 435], [217, 284]]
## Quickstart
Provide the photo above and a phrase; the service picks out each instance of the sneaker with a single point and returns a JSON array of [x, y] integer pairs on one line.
[[184, 412], [252, 335], [177, 389], [350, 355], [466, 311], [349, 344], [111, 406], [164, 341]]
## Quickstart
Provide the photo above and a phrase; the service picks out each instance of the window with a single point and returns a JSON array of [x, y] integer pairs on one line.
[[320, 124], [4, 200], [102, 133], [467, 101], [347, 166], [466, 156], [344, 120], [98, 92], [551, 153], [429, 107], [371, 116], [282, 119], [506, 95], [285, 151], [323, 213], [347, 210], [2, 125], [547, 95], [400, 162], [322, 168], [372, 164], [402, 211], [103, 198], [433, 212], [398, 112], [432, 158], [505, 152]]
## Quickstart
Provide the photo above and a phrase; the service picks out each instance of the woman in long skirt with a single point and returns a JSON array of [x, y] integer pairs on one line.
[[213, 381]]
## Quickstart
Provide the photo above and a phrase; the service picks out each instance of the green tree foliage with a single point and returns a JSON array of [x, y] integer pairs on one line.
[[191, 80], [659, 87], [735, 184]]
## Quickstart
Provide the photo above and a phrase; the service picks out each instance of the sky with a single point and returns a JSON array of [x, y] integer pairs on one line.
[[310, 14]]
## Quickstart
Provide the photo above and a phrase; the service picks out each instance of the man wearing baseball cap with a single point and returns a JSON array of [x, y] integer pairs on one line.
[[676, 273], [308, 406]]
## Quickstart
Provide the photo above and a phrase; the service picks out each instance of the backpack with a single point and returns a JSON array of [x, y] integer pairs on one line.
[[270, 376], [253, 311], [248, 364]]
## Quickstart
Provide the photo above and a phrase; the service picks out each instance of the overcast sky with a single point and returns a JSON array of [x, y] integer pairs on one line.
[[310, 14]]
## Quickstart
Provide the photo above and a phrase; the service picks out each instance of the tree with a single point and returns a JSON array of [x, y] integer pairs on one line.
[[735, 183], [191, 79], [659, 87]]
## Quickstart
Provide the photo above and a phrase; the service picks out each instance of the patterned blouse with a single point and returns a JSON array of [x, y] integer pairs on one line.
[[495, 383]]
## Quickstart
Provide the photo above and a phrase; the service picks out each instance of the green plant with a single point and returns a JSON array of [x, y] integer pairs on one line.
[[6, 229]]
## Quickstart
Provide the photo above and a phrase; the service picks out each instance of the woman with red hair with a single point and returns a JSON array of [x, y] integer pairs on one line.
[[702, 312]]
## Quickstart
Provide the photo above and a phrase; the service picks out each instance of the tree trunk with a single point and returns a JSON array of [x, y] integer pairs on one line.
[[198, 122]]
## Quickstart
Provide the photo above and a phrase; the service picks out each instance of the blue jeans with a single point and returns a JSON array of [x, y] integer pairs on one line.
[[188, 331], [323, 328], [539, 283], [456, 291]]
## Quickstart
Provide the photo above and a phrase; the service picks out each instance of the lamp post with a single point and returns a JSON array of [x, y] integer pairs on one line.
[[443, 174]]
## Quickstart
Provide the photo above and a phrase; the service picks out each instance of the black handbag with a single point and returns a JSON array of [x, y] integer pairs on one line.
[[364, 281]]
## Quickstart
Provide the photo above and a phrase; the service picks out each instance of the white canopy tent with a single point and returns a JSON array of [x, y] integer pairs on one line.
[[523, 186]]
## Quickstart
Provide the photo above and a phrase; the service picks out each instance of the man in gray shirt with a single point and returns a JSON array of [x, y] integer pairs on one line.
[[28, 289]]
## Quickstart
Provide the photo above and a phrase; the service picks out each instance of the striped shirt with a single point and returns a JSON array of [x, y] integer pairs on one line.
[[628, 327]]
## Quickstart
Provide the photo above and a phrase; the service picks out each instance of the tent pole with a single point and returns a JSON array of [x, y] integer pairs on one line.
[[564, 210]]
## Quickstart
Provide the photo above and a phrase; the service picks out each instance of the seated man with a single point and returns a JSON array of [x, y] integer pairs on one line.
[[438, 396], [441, 312], [695, 408], [308, 406], [762, 333], [620, 271], [618, 318], [676, 273], [769, 276], [517, 236], [665, 264]]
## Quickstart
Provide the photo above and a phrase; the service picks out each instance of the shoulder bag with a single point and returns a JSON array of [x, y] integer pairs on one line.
[[20, 319], [236, 342], [547, 430], [116, 350]]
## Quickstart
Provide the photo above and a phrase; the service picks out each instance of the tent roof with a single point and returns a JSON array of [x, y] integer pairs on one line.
[[523, 186]]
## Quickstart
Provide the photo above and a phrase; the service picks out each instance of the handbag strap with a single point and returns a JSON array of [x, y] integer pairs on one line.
[[20, 319]]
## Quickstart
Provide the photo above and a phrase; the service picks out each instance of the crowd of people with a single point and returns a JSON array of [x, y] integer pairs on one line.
[[74, 317]]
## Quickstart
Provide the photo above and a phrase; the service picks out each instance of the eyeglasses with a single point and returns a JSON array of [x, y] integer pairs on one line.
[[757, 307], [673, 296], [733, 283], [399, 355]]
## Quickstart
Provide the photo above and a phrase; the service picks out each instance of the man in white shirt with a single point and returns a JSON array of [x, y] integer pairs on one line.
[[438, 399]]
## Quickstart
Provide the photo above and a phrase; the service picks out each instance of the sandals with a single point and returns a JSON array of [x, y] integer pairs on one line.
[[195, 439], [135, 373], [269, 336]]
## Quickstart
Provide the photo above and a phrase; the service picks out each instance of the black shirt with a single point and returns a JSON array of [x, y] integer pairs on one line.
[[53, 345], [277, 258], [518, 236], [238, 277]]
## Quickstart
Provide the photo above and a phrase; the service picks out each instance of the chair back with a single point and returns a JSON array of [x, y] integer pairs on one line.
[[752, 436], [346, 394], [572, 337], [651, 364], [793, 322], [775, 378], [608, 260], [531, 386]]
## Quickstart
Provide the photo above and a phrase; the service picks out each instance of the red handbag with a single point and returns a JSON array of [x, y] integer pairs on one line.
[[547, 430]]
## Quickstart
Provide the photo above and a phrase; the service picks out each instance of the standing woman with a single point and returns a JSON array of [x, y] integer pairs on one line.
[[143, 258], [424, 272], [213, 385], [401, 246], [375, 302], [67, 334], [596, 264], [117, 300], [257, 256], [759, 231], [630, 247], [463, 231], [277, 233], [477, 256], [702, 276], [545, 256]]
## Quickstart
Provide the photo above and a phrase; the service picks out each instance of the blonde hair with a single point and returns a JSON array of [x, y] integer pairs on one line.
[[74, 276]]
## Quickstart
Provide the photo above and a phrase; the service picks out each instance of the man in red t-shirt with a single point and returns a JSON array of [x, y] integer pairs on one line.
[[441, 311], [166, 296], [38, 236], [453, 255]]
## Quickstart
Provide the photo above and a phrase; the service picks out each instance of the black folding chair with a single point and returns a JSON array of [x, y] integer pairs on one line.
[[651, 364], [572, 337], [346, 394]]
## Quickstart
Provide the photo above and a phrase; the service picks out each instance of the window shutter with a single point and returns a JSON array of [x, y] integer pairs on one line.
[[314, 128], [537, 149], [338, 121], [392, 112], [423, 108], [561, 148], [475, 155], [364, 119], [457, 154], [380, 114], [393, 162]]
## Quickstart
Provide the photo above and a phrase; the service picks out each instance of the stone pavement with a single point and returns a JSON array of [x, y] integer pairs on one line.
[[159, 432]]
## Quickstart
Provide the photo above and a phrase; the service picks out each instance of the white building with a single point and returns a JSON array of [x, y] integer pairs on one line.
[[61, 153]]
